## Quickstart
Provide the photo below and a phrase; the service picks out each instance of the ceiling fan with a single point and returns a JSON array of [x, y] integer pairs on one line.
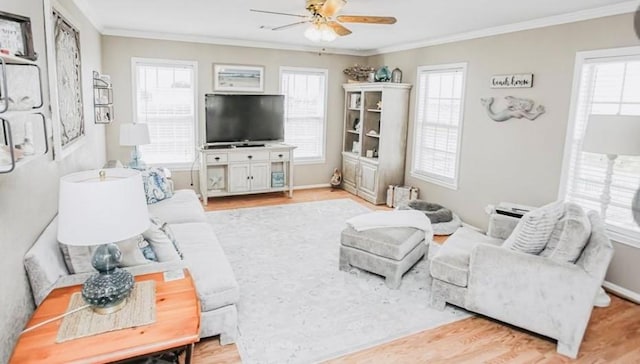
[[321, 17]]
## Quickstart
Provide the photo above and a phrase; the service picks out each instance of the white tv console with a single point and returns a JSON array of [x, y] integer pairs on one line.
[[246, 170]]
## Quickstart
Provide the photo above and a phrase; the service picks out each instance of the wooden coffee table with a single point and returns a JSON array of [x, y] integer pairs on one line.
[[177, 325]]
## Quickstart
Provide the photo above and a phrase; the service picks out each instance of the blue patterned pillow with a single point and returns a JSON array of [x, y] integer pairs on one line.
[[156, 185]]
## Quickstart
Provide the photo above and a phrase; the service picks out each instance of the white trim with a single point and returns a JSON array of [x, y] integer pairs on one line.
[[169, 62], [427, 177], [311, 187], [325, 72], [94, 19], [622, 292], [581, 59], [228, 42], [581, 15]]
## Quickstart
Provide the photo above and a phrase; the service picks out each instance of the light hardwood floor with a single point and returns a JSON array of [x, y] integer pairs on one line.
[[613, 335]]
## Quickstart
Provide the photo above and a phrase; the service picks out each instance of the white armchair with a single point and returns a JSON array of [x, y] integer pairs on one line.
[[551, 298]]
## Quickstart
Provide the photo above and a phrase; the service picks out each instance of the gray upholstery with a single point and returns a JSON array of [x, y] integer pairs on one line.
[[393, 242], [215, 282], [389, 252], [551, 298]]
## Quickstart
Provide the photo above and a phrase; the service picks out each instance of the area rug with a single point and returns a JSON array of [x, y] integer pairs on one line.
[[295, 305]]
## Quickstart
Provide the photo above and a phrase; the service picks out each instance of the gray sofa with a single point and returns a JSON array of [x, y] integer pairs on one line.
[[554, 299], [215, 282]]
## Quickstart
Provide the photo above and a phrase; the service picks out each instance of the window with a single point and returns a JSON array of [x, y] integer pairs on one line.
[[165, 99], [438, 124], [305, 93], [606, 82]]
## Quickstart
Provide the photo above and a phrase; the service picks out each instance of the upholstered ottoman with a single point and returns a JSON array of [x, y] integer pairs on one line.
[[389, 252]]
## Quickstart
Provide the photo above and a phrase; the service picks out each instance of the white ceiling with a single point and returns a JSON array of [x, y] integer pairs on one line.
[[419, 21]]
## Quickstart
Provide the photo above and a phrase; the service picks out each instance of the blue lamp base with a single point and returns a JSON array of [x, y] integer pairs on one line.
[[136, 161]]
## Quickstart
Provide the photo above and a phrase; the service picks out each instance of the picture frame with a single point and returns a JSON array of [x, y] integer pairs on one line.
[[16, 35], [238, 78], [66, 93]]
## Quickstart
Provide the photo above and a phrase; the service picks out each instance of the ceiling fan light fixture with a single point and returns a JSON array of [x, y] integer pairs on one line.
[[320, 32]]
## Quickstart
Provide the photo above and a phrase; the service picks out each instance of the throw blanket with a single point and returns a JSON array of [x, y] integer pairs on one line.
[[398, 218]]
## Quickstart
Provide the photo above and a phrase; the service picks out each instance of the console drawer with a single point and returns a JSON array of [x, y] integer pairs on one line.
[[217, 158], [280, 156], [249, 156]]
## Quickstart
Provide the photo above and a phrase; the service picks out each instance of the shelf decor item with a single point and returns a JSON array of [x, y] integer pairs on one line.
[[358, 73], [16, 36], [99, 208], [396, 75], [236, 78], [277, 179], [383, 74]]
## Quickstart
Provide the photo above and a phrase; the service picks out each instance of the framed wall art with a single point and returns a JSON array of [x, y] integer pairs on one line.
[[16, 36], [65, 83], [238, 78]]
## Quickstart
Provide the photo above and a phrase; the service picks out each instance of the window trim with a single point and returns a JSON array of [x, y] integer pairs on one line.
[[615, 233], [325, 72], [185, 166], [426, 176]]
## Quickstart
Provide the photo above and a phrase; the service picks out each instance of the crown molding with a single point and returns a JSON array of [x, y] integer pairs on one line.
[[94, 19], [588, 14], [582, 15], [225, 41]]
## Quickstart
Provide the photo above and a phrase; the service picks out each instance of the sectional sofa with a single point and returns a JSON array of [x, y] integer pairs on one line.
[[215, 282]]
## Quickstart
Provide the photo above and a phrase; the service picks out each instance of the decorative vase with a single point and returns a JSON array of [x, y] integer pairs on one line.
[[371, 77], [383, 74], [396, 75]]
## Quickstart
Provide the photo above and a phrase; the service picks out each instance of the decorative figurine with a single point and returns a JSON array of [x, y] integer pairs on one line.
[[336, 179]]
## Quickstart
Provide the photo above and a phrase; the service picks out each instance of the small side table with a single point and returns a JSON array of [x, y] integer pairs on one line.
[[177, 325]]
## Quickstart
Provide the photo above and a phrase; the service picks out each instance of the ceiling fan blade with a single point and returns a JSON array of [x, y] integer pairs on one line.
[[339, 28], [367, 19], [282, 27], [277, 13], [330, 7]]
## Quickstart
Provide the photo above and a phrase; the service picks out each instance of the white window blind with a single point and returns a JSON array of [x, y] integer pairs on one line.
[[305, 111], [438, 125], [165, 98], [608, 86]]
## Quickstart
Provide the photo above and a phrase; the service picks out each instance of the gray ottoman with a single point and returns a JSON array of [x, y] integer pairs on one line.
[[389, 252]]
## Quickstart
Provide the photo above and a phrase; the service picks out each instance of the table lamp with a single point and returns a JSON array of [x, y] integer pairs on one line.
[[135, 135], [101, 208], [612, 135]]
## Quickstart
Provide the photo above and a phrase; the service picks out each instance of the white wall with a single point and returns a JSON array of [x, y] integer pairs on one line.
[[117, 54], [29, 195], [519, 160]]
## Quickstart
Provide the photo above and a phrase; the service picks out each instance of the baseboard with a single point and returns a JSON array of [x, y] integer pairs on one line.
[[622, 292], [310, 187]]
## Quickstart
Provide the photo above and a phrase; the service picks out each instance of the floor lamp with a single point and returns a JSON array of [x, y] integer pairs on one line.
[[612, 135]]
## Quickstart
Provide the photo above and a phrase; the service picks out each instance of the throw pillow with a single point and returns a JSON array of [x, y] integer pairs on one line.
[[570, 235], [534, 229], [156, 185], [161, 244], [78, 258]]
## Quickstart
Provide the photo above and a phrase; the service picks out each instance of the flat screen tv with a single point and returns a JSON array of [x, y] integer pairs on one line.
[[244, 119]]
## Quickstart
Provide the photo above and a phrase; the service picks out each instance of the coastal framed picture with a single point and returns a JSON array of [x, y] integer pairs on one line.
[[238, 78]]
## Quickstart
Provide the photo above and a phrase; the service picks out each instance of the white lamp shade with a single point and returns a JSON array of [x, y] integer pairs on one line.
[[613, 134], [93, 211], [134, 134]]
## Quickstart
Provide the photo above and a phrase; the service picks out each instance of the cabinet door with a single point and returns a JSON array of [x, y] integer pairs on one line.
[[368, 178], [260, 176], [239, 177], [349, 171]]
